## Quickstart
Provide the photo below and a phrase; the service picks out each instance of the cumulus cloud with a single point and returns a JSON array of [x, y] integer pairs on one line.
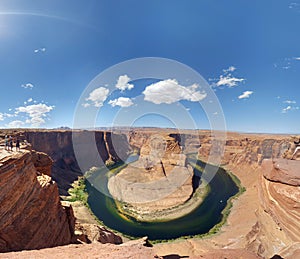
[[170, 91], [286, 63], [15, 124], [39, 50], [85, 105], [123, 83], [230, 69], [29, 100], [121, 101], [245, 94], [286, 109], [36, 113], [3, 116], [97, 97], [227, 78], [289, 108], [229, 81], [27, 86], [290, 102]]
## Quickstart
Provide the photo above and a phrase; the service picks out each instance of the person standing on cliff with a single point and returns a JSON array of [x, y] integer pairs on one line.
[[17, 145], [6, 143], [11, 145], [297, 148]]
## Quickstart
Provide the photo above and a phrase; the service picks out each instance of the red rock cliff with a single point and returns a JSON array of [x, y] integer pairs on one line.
[[59, 146], [31, 214]]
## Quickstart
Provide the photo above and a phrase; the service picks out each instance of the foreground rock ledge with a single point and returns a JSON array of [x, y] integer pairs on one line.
[[31, 214]]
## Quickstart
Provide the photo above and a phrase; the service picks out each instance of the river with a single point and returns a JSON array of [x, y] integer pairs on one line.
[[199, 221]]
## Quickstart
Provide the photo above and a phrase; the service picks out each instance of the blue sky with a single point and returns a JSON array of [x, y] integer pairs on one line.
[[248, 52]]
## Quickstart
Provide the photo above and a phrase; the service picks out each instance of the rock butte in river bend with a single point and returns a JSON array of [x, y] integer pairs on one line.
[[159, 180], [264, 220]]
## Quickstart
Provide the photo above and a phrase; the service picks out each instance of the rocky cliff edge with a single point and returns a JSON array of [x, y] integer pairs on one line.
[[31, 214]]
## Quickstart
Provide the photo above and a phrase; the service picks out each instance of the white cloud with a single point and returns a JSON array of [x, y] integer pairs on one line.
[[286, 109], [39, 50], [289, 102], [123, 83], [297, 58], [27, 86], [29, 100], [35, 121], [230, 69], [229, 80], [36, 113], [245, 94], [121, 101], [169, 91], [295, 6], [85, 105], [3, 116], [8, 115], [15, 124], [98, 96]]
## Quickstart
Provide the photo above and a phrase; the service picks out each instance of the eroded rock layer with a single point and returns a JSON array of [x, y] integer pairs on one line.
[[58, 145], [278, 213], [31, 215], [159, 180], [278, 224]]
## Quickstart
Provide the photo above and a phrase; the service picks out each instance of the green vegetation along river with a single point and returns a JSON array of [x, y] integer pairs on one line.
[[200, 221]]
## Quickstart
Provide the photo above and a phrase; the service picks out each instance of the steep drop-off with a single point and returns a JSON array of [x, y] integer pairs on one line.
[[278, 217], [158, 181], [31, 214], [278, 213], [59, 146]]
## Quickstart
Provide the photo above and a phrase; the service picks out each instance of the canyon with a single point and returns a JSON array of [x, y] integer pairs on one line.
[[269, 208]]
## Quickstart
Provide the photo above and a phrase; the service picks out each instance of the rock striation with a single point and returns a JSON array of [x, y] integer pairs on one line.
[[31, 214], [278, 224], [58, 144], [159, 180], [277, 216]]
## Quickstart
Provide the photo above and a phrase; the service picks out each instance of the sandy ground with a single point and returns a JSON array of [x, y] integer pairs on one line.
[[233, 233], [83, 214]]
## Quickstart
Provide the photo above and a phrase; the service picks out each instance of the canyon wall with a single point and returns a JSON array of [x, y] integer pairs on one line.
[[59, 146], [278, 218], [278, 214], [31, 214]]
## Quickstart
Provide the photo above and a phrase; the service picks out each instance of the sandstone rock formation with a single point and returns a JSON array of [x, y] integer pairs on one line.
[[91, 233], [159, 180], [278, 224], [42, 162], [282, 170], [31, 215], [277, 216], [58, 145]]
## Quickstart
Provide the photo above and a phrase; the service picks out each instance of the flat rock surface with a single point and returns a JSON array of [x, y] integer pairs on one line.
[[282, 170]]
